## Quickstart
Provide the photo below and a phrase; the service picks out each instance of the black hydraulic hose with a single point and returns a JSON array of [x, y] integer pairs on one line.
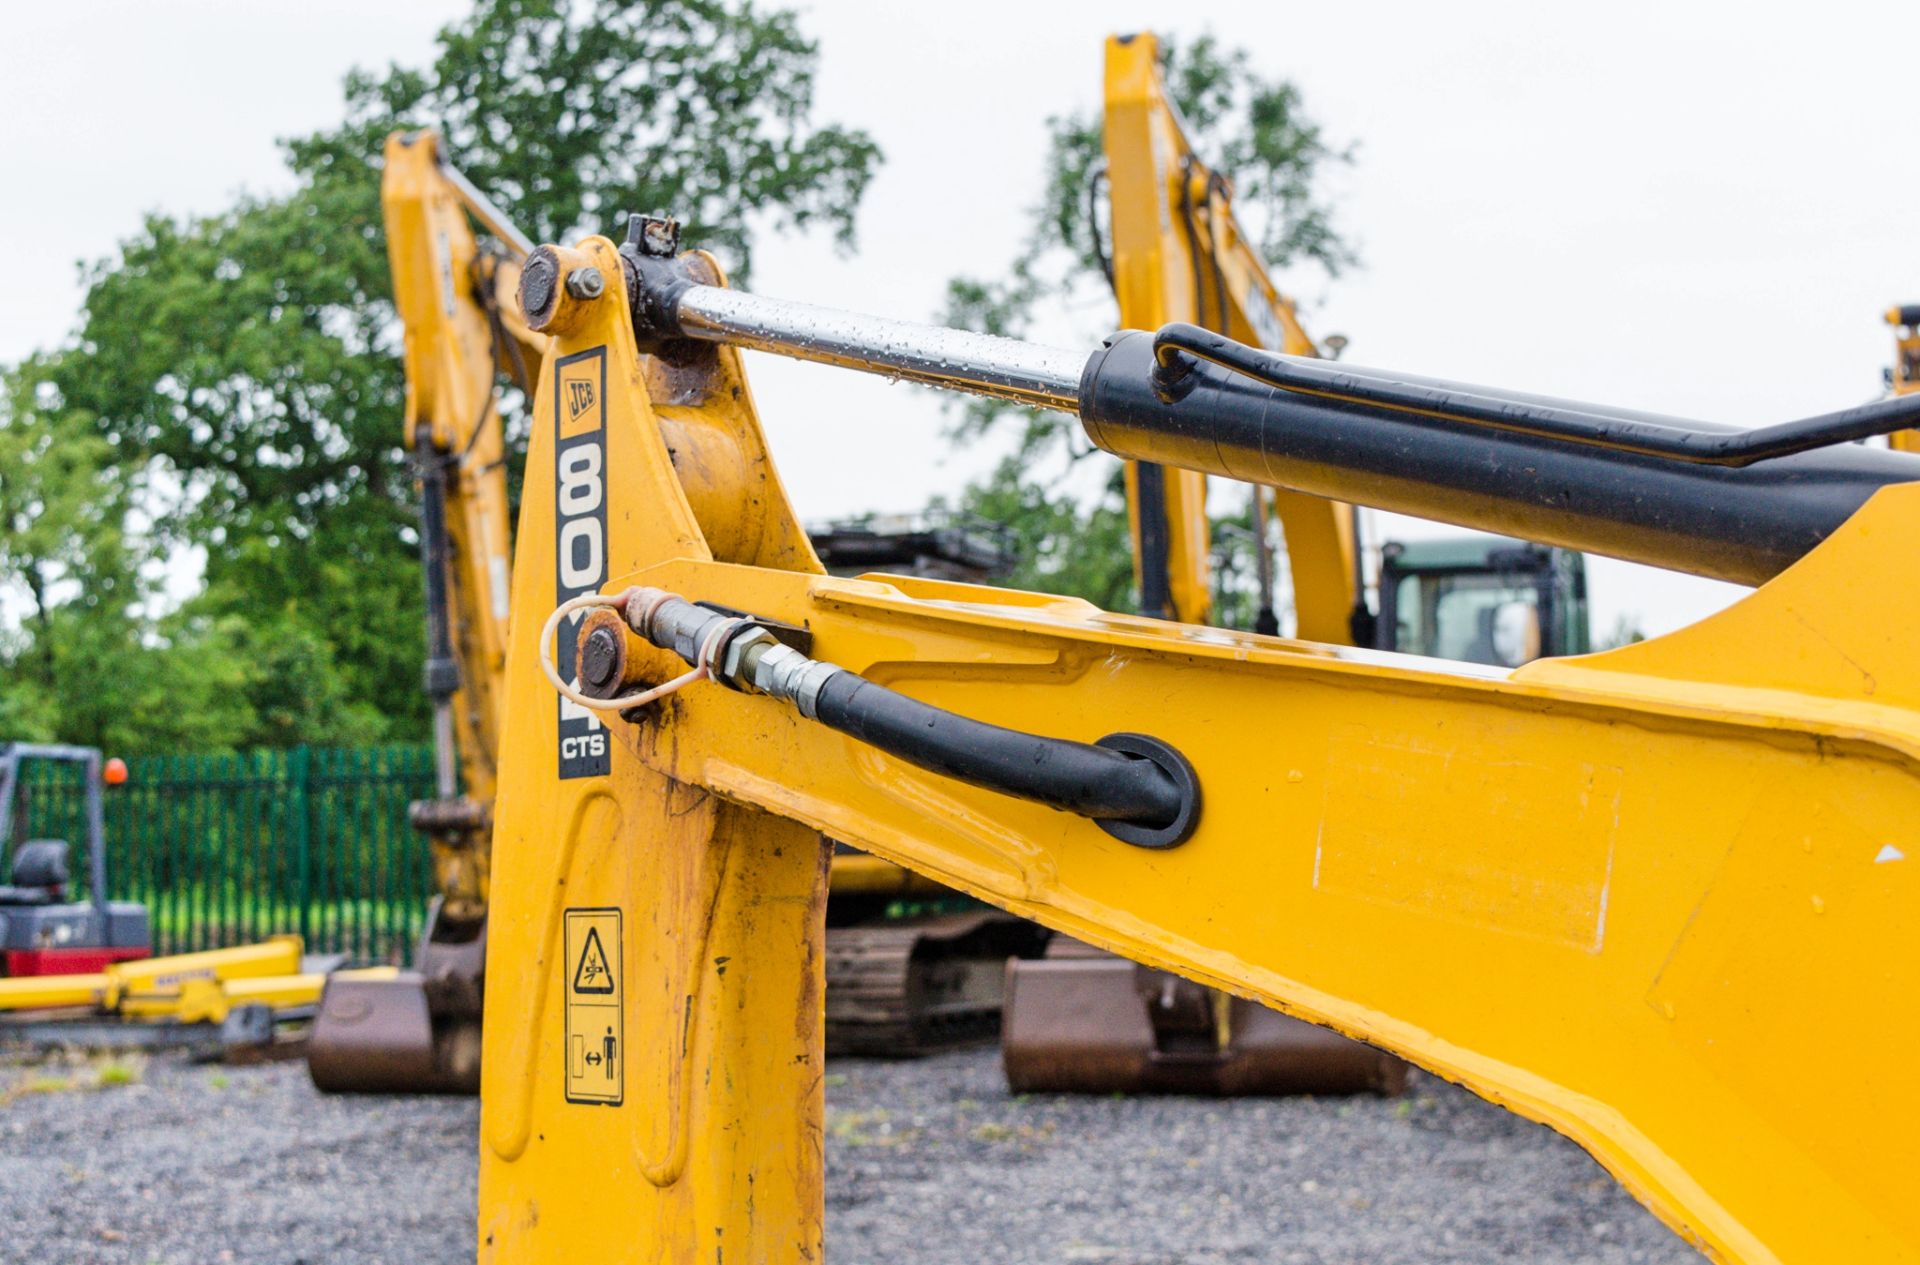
[[1076, 777], [1673, 439], [1156, 539], [1100, 252], [1136, 788]]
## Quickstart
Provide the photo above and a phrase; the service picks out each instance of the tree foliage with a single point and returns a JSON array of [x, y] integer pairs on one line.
[[1065, 500], [235, 383], [570, 116]]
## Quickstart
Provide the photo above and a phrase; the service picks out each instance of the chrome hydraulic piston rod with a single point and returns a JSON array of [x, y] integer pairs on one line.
[[1726, 502], [1005, 368]]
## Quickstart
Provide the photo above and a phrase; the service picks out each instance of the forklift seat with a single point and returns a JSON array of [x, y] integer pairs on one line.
[[39, 873]]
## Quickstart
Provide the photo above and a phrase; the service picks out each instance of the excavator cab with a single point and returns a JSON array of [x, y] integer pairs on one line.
[[1477, 598], [1904, 375]]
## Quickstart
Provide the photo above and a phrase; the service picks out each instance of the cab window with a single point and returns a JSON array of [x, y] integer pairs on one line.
[[1474, 618]]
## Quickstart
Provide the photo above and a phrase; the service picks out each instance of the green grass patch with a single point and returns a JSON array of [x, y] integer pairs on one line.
[[112, 1074]]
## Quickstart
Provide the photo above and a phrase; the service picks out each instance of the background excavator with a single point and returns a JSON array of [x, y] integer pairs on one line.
[[420, 1030], [1082, 1020]]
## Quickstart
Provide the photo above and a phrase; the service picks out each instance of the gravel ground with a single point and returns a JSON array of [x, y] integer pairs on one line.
[[165, 1163]]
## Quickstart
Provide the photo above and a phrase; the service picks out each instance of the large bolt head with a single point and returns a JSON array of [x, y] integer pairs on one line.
[[539, 287], [600, 659]]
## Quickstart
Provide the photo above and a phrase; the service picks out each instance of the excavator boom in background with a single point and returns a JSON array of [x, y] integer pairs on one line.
[[1078, 1019], [419, 1030], [1178, 253]]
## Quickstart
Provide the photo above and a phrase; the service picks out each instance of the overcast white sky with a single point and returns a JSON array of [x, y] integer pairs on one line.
[[1695, 209]]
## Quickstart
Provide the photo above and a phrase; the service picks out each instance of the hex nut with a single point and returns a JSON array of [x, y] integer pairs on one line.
[[586, 283], [734, 656]]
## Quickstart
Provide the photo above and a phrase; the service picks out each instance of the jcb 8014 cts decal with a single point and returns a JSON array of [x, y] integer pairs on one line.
[[580, 535]]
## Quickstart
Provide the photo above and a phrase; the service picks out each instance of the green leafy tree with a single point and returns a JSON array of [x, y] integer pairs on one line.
[[63, 502], [1065, 500], [83, 663], [254, 354], [571, 115], [1626, 630], [65, 562]]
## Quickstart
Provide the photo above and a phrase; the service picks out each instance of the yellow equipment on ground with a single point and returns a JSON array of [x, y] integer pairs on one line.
[[151, 986], [1649, 897], [184, 988]]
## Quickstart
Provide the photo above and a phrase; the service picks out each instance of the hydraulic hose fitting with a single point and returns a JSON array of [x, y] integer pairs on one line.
[[784, 673], [1136, 788]]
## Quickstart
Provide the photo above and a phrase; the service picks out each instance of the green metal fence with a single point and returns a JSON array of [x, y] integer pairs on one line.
[[226, 849]]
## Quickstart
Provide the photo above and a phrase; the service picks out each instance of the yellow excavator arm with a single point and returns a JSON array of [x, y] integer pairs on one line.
[[454, 294], [1650, 897], [1178, 254], [454, 298]]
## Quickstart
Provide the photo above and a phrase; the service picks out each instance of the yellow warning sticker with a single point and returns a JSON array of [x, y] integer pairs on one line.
[[596, 1071]]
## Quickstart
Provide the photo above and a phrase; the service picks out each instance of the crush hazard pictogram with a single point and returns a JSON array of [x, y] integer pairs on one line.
[[595, 1018], [593, 975]]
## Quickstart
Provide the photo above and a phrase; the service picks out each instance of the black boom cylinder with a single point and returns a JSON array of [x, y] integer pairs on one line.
[[1743, 523]]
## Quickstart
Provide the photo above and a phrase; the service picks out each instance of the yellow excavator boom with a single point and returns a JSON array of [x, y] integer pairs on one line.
[[1179, 254], [454, 299], [418, 1030], [1649, 897]]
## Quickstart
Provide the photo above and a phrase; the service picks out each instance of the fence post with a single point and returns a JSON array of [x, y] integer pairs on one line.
[[297, 773]]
